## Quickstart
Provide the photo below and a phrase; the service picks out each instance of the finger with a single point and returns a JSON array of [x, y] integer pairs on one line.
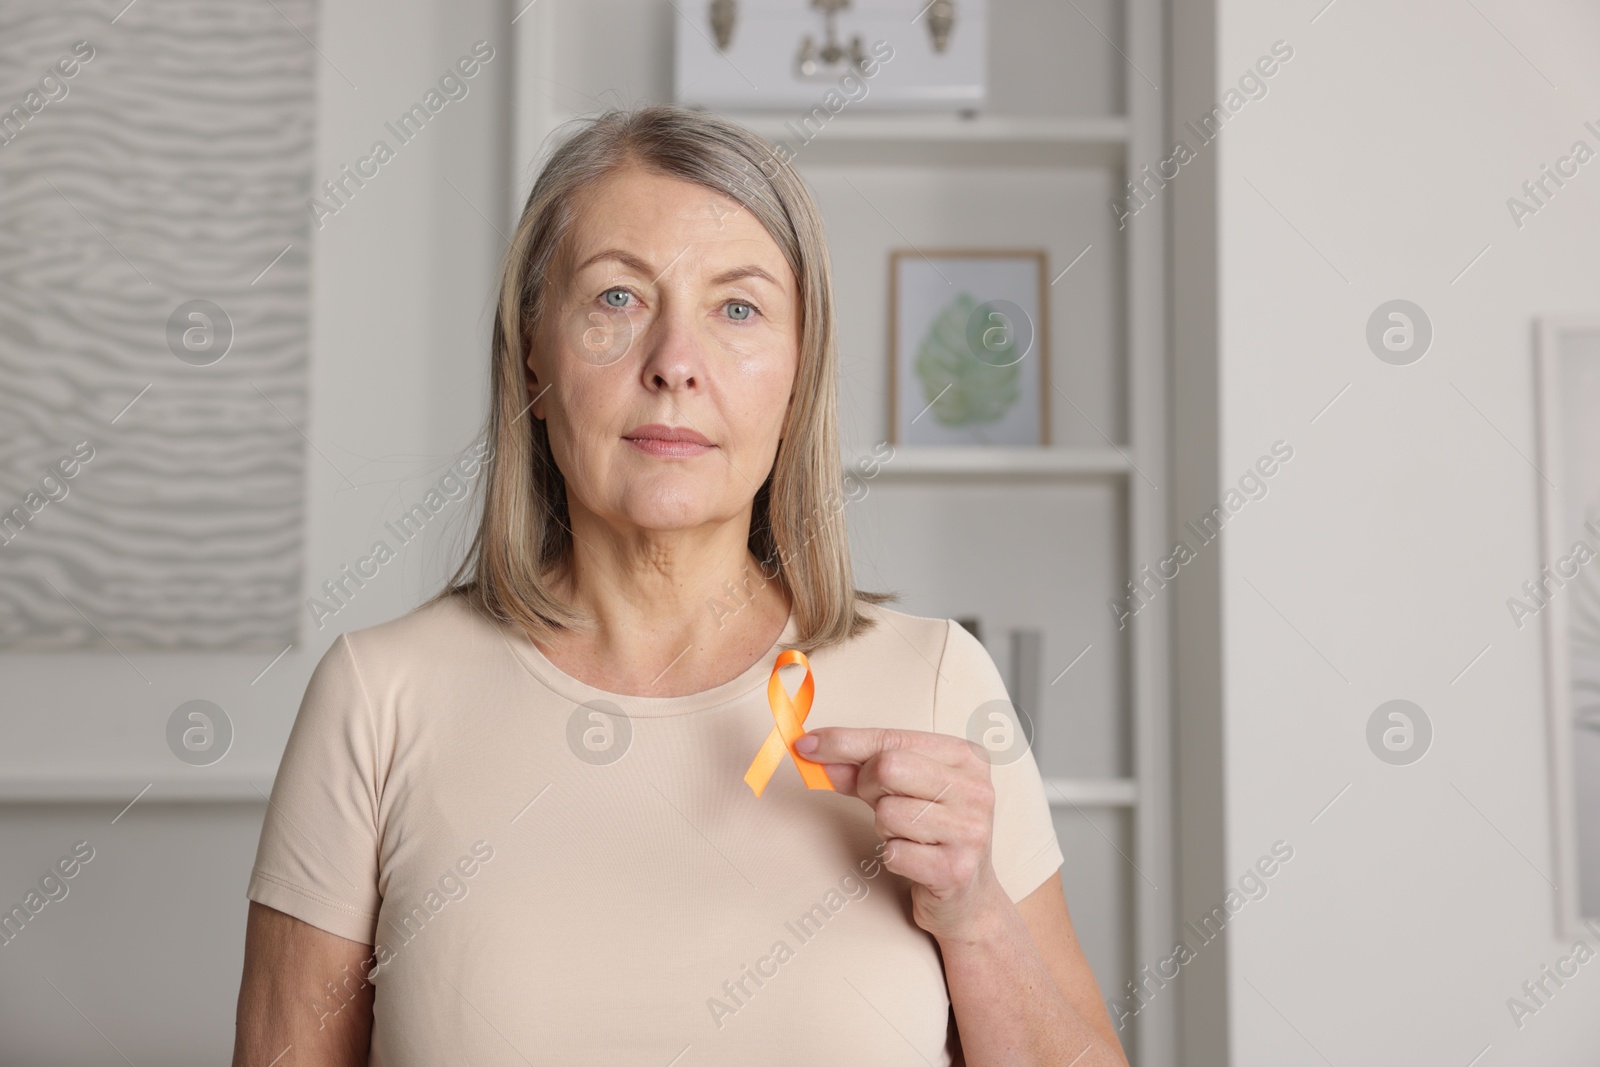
[[963, 817], [845, 778], [912, 819], [936, 866], [902, 772], [857, 744]]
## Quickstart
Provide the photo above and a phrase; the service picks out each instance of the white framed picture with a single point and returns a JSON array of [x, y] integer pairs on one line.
[[968, 347], [1567, 594], [815, 59]]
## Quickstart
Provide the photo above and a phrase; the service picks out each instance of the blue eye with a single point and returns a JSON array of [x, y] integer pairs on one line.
[[749, 309], [609, 293]]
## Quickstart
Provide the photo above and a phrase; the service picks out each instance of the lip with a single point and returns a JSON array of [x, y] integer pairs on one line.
[[657, 439]]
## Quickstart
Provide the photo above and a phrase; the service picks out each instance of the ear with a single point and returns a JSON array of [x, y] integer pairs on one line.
[[788, 411], [536, 389]]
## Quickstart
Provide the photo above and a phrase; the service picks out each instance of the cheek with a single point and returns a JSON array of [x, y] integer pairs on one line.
[[581, 457], [583, 332], [588, 407], [768, 381], [598, 338], [752, 401], [765, 364]]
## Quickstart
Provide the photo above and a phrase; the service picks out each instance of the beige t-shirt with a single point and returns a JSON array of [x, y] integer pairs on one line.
[[553, 874]]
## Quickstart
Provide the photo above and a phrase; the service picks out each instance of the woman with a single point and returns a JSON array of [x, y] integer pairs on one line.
[[551, 816]]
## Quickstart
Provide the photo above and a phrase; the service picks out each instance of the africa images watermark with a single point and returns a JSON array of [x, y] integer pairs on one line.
[[53, 88], [804, 927], [52, 886], [452, 885], [869, 468], [1539, 589], [1538, 191], [851, 88], [455, 485], [1251, 886], [1537, 992], [1252, 486], [1252, 85], [53, 488], [452, 86]]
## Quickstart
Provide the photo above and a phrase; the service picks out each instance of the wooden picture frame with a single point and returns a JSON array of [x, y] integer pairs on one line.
[[1567, 362], [947, 307]]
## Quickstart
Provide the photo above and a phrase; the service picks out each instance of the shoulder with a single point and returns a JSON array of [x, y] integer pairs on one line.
[[895, 633], [932, 669], [948, 669], [440, 634], [935, 642]]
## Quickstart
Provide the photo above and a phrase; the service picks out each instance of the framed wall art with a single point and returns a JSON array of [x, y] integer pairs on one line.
[[968, 347], [1566, 595], [817, 59], [154, 367]]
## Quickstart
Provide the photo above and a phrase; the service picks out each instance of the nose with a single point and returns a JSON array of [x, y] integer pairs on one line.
[[674, 353]]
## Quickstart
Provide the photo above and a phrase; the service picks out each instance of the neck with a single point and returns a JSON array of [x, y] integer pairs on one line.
[[667, 615]]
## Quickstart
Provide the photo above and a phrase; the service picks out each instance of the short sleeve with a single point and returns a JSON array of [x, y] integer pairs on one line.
[[1025, 849], [317, 858]]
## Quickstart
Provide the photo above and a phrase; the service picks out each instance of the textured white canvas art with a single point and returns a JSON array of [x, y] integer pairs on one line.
[[155, 165]]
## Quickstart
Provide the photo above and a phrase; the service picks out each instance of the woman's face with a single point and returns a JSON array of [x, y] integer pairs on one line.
[[671, 306]]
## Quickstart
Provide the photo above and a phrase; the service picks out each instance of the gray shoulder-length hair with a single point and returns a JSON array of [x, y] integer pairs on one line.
[[797, 528]]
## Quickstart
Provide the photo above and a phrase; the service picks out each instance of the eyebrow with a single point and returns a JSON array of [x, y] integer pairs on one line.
[[633, 262]]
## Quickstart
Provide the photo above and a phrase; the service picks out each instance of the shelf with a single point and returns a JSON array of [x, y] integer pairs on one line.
[[1094, 792], [120, 788], [1070, 462], [943, 140]]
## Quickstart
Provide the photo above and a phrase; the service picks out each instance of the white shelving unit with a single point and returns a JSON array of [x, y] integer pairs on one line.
[[552, 86], [1057, 462], [949, 141], [1097, 793]]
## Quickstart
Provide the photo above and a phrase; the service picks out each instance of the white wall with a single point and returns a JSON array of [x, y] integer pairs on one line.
[[1377, 567], [1378, 166], [148, 944]]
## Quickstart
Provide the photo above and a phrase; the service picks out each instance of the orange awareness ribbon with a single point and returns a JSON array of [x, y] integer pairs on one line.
[[790, 716]]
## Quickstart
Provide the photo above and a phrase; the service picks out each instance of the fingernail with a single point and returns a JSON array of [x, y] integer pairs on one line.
[[807, 743]]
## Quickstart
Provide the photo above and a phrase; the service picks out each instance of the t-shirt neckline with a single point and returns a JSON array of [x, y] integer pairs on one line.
[[579, 692]]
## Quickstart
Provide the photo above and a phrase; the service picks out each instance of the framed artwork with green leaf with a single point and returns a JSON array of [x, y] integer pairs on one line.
[[1565, 596], [968, 347]]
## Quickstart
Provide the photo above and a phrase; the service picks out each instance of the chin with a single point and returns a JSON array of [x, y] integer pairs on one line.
[[670, 510]]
